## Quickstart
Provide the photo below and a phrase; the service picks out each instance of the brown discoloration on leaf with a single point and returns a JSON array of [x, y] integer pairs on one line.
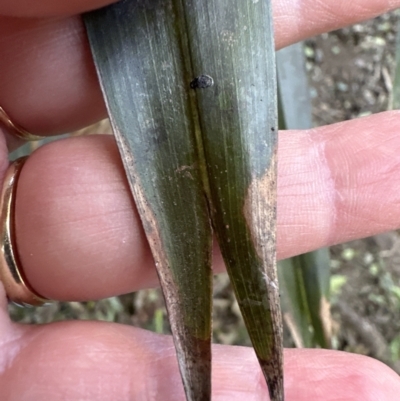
[[260, 214], [186, 170], [273, 375], [194, 354]]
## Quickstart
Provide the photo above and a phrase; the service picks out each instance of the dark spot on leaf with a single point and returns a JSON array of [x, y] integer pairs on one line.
[[202, 82]]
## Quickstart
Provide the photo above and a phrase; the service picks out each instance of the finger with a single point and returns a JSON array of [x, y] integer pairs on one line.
[[48, 8], [79, 236], [101, 361], [294, 9], [48, 84], [295, 20]]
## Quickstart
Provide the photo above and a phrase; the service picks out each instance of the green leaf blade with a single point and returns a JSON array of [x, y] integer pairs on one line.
[[234, 46], [141, 71], [316, 277], [236, 158], [295, 308]]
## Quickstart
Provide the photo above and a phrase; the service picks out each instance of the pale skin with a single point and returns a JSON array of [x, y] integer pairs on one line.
[[80, 238]]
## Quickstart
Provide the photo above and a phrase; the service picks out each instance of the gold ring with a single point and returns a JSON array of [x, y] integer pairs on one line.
[[17, 287], [16, 129]]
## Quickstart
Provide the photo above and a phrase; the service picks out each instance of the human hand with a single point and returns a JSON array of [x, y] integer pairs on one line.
[[79, 236]]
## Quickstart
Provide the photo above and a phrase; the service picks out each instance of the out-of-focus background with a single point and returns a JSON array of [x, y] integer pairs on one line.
[[351, 74]]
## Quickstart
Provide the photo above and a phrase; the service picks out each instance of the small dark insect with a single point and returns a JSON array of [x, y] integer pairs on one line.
[[202, 82], [272, 129]]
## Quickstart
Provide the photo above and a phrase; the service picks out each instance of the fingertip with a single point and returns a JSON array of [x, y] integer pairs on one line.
[[49, 8]]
